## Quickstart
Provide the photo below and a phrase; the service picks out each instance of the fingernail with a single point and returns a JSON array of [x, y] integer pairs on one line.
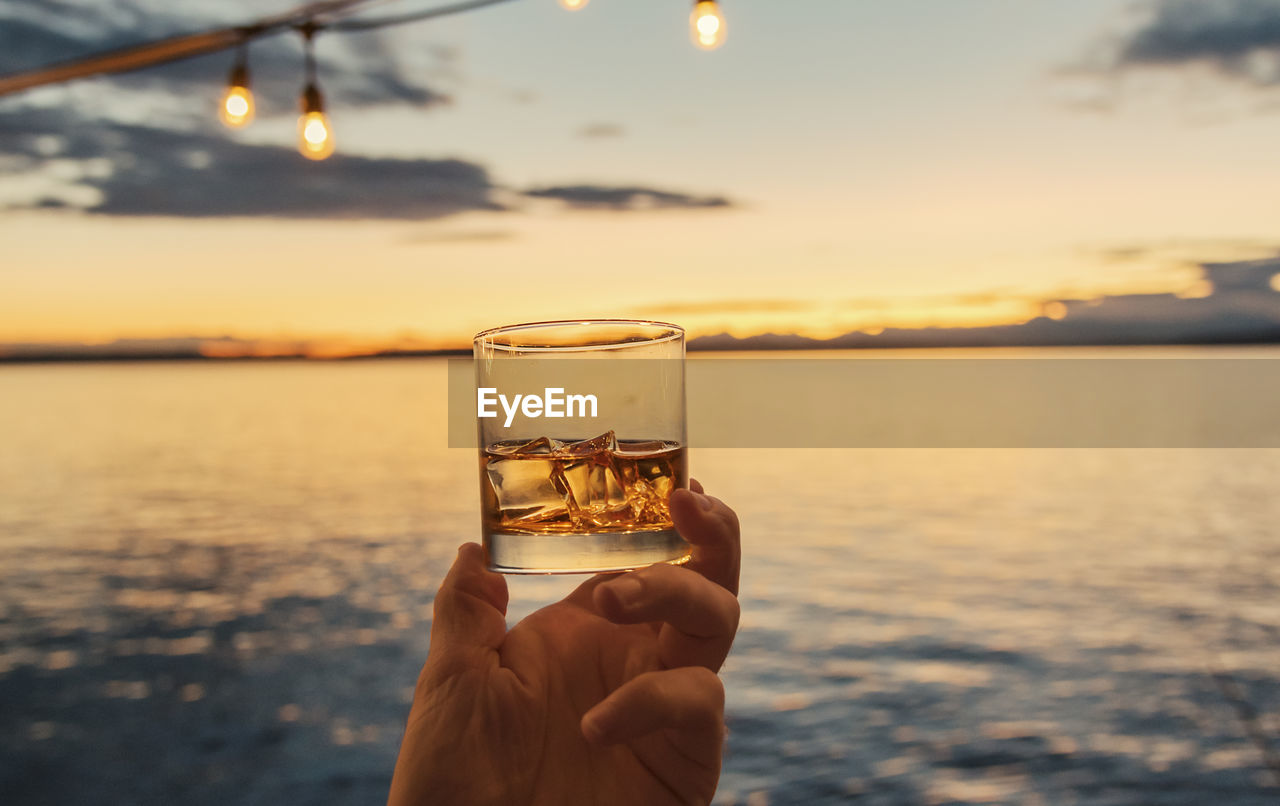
[[626, 591], [704, 501]]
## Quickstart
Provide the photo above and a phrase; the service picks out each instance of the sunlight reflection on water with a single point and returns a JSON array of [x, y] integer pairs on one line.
[[216, 583]]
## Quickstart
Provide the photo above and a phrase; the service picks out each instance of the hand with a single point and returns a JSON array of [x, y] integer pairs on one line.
[[607, 697]]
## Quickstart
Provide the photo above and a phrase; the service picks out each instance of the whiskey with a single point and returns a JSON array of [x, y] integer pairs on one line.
[[580, 504], [604, 484]]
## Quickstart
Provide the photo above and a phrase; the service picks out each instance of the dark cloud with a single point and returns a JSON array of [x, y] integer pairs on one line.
[[147, 171], [136, 170], [355, 69], [1241, 38], [601, 131], [597, 197]]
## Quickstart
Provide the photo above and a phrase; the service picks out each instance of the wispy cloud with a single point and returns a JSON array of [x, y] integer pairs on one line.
[[1235, 41], [1240, 38], [602, 197], [725, 306], [601, 131]]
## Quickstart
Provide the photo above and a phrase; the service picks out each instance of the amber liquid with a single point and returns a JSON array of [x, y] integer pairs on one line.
[[594, 505]]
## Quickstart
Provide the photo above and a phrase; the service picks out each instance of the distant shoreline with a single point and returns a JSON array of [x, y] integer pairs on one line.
[[113, 358], [747, 345]]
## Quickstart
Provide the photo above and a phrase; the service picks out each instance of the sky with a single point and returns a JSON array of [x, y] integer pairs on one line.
[[838, 165]]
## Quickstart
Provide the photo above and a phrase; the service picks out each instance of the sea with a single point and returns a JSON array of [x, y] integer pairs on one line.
[[216, 584]]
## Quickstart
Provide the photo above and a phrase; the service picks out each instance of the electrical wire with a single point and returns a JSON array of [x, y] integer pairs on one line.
[[416, 16], [186, 46]]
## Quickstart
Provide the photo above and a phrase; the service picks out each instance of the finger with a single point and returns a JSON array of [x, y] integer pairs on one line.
[[470, 608], [582, 595], [682, 598], [712, 529], [699, 618], [689, 701], [695, 485]]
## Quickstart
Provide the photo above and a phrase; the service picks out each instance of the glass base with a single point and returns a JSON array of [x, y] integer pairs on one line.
[[603, 552]]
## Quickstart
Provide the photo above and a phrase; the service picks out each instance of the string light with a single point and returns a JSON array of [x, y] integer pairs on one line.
[[236, 109], [706, 24], [315, 136]]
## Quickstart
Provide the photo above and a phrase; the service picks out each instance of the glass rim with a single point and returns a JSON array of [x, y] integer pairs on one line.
[[667, 332]]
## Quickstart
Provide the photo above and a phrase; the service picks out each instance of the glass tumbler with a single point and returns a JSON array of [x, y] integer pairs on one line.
[[582, 441]]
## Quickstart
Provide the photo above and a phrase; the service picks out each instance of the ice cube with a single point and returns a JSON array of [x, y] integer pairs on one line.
[[531, 517], [524, 485], [639, 498], [641, 446], [542, 446], [588, 447], [563, 478], [608, 516]]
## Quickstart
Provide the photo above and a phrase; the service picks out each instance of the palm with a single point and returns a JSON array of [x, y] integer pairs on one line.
[[514, 703], [571, 658]]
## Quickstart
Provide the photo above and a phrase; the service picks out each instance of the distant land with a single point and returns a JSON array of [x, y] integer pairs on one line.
[[1236, 303], [163, 350]]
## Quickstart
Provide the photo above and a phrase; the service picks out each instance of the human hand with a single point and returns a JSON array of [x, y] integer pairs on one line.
[[607, 697]]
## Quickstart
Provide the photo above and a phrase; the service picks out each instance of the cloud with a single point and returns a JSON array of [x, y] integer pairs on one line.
[[1239, 38], [147, 171], [1180, 252], [463, 236], [725, 306], [113, 168], [600, 197], [601, 131]]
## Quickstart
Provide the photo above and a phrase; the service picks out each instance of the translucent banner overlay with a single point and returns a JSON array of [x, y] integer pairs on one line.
[[944, 403]]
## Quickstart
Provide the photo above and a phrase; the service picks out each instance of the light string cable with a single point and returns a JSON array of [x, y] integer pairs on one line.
[[187, 46]]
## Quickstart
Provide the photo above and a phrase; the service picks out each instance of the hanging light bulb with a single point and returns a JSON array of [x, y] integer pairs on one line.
[[236, 109], [573, 5], [706, 24], [315, 138]]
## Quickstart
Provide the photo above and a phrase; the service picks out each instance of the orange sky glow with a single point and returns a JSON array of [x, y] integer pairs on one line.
[[860, 197]]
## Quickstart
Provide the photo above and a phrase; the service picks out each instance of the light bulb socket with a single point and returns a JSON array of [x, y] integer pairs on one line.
[[239, 76], [312, 100]]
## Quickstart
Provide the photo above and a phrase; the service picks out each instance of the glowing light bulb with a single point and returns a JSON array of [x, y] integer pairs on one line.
[[706, 24], [315, 137], [236, 109], [573, 5]]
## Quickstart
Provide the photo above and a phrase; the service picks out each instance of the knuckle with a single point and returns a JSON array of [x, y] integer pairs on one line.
[[735, 613], [710, 687], [661, 573], [726, 518], [730, 517]]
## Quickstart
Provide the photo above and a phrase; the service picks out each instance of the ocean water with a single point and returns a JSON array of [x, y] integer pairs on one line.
[[216, 585]]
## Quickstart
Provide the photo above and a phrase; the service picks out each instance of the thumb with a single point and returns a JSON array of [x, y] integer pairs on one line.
[[470, 610]]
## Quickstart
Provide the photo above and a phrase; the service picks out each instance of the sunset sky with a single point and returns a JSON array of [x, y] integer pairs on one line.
[[837, 165]]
